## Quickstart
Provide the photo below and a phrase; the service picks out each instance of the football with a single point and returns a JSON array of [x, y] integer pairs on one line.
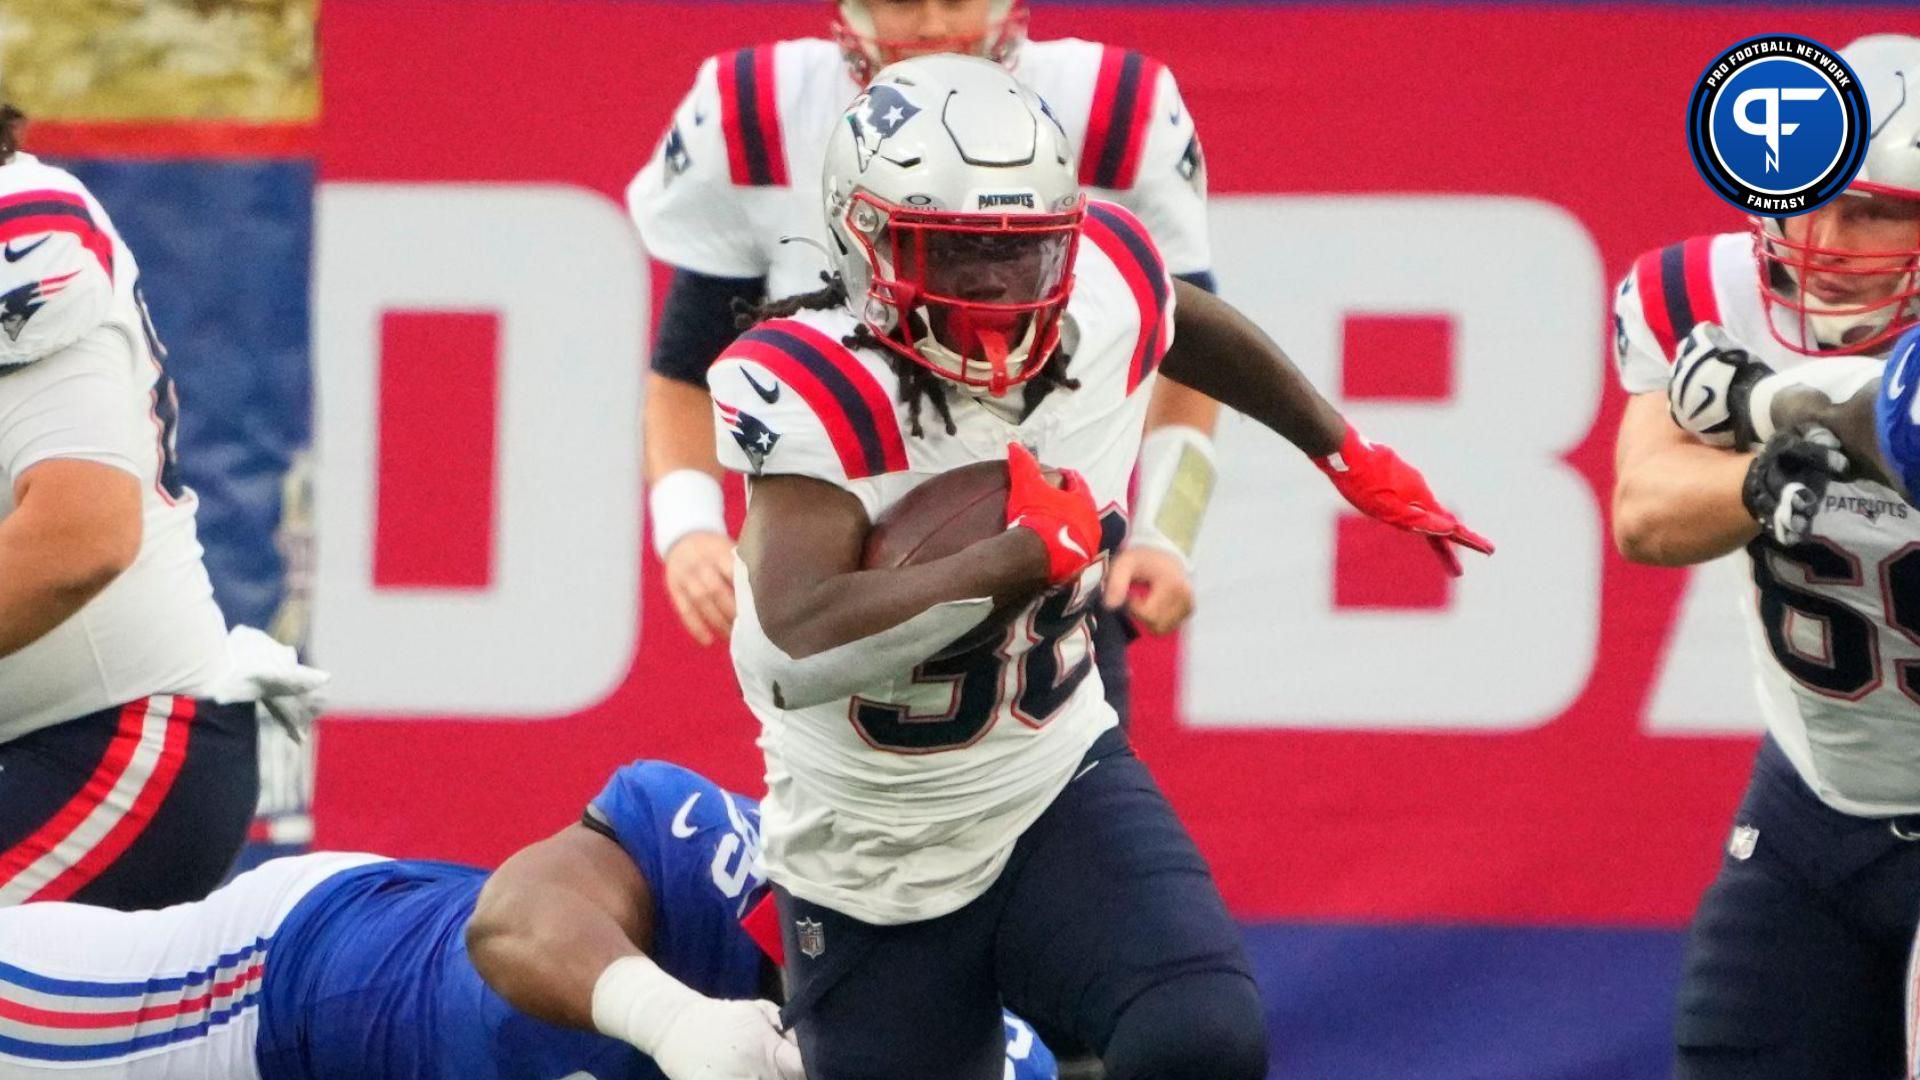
[[941, 516]]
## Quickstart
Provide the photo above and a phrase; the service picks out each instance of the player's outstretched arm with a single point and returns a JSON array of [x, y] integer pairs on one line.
[[1221, 353], [1853, 421], [553, 918], [560, 931], [813, 604]]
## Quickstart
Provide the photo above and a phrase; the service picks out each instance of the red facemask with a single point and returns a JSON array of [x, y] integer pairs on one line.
[[977, 298], [1849, 317]]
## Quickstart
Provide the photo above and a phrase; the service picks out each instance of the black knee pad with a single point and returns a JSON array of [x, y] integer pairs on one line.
[[1204, 1026]]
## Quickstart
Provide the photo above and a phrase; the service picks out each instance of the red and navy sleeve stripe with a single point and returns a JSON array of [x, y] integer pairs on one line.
[[1676, 290], [750, 117], [1117, 126], [1125, 241], [851, 404], [31, 213]]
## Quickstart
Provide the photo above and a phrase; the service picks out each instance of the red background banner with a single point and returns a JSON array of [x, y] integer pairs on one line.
[[1585, 820]]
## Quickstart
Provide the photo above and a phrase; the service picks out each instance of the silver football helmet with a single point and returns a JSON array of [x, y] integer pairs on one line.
[[954, 205], [1851, 318]]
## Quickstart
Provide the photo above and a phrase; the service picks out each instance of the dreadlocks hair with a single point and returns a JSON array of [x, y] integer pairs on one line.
[[11, 120], [917, 384]]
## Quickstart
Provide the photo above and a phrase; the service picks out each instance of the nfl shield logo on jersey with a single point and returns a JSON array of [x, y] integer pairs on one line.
[[813, 938], [1741, 844]]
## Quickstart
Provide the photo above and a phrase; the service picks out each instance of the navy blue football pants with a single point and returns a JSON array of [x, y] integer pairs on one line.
[[1796, 962], [137, 806], [1105, 930], [1113, 631]]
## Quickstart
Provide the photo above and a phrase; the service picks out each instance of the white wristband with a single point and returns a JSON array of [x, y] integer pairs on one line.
[[635, 1001], [1176, 481], [685, 501]]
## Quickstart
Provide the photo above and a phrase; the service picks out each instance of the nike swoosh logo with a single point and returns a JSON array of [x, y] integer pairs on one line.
[[1898, 379], [680, 828], [1704, 405], [767, 394], [15, 256], [1066, 541]]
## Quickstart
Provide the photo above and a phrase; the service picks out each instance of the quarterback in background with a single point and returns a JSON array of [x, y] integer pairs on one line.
[[732, 201], [954, 819], [127, 731], [1795, 961]]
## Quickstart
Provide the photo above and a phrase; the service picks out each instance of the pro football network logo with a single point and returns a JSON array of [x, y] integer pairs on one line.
[[1778, 125]]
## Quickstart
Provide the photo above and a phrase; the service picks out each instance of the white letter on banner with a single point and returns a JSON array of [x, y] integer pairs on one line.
[[555, 629], [1706, 684], [1521, 282]]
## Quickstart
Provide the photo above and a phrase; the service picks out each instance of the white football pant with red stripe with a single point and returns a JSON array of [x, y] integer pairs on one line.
[[89, 993]]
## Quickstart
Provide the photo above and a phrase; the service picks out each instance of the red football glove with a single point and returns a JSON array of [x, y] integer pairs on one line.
[[1381, 486], [1063, 516]]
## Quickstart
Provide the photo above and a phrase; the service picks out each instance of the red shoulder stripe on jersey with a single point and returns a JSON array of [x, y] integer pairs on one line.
[[1125, 241], [750, 118], [1698, 264], [849, 402], [31, 213], [1117, 125], [893, 445], [1648, 279]]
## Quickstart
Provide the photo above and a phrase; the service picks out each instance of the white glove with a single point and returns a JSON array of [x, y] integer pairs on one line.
[[688, 1035], [260, 669], [1709, 389], [728, 1040]]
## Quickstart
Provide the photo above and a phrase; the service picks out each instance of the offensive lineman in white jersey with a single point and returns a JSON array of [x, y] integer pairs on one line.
[[953, 817], [735, 176], [1796, 954], [122, 782]]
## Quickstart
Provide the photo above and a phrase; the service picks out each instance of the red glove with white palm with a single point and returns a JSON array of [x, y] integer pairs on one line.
[[1383, 487], [1064, 517]]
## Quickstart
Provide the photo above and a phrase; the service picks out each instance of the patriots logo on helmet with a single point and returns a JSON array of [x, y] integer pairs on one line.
[[674, 153], [1047, 111], [886, 109], [19, 304], [756, 439]]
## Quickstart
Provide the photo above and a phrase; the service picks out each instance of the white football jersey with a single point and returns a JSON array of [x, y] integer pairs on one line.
[[903, 802], [1834, 624], [81, 378], [739, 167]]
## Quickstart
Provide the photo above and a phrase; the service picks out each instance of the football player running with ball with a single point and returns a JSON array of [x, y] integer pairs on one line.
[[953, 818], [1795, 960], [737, 175]]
